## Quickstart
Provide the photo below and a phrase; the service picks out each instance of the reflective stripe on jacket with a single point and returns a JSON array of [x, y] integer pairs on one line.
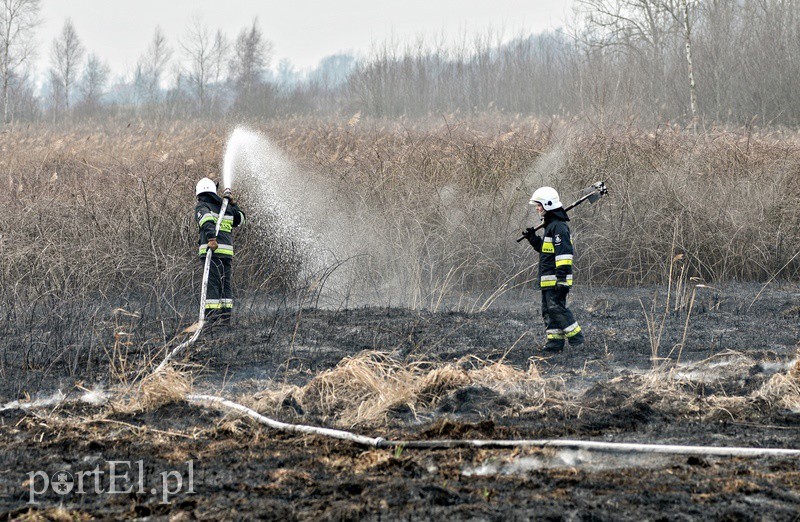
[[206, 214], [555, 257]]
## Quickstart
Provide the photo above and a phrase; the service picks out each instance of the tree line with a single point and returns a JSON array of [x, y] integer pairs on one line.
[[692, 62]]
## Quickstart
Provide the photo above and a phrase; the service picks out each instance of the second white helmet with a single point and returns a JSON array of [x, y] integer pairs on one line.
[[205, 185], [547, 197]]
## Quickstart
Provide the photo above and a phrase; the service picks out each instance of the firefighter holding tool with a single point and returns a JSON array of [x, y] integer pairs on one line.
[[219, 296], [555, 270]]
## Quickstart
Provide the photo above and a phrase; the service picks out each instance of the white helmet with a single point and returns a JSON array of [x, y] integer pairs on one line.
[[205, 185], [547, 196]]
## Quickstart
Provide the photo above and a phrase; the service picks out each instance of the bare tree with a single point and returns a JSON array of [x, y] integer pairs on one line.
[[720, 26], [205, 57], [640, 29], [687, 24], [251, 57], [649, 21], [56, 85], [66, 55], [682, 12], [94, 80], [151, 67], [287, 75], [18, 19], [333, 70], [219, 53]]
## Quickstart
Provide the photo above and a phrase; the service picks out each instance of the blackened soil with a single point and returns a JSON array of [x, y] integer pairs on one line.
[[241, 470]]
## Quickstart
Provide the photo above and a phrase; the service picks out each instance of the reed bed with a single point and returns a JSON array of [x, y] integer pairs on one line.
[[100, 218]]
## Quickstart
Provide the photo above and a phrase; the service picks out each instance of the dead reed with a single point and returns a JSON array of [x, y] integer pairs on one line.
[[783, 389], [99, 217], [155, 390], [370, 387]]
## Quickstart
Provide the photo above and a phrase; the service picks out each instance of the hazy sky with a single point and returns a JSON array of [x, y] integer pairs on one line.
[[304, 31]]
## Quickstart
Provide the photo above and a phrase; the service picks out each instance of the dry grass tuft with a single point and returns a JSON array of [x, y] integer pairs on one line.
[[670, 393], [503, 378], [428, 388], [783, 389], [272, 402], [368, 387], [156, 390], [674, 393], [54, 514]]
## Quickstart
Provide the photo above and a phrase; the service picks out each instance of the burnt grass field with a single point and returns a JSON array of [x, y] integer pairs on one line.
[[686, 286], [608, 390]]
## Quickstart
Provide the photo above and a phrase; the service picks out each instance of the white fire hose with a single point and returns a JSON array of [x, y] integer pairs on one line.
[[220, 403]]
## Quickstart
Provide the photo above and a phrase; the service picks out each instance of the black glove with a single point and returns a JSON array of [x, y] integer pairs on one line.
[[533, 239], [228, 194], [562, 289]]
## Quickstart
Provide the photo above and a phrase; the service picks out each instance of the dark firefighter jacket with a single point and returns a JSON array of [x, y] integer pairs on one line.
[[206, 213], [555, 254]]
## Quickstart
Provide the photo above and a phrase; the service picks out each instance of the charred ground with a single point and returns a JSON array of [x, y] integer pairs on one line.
[[607, 390]]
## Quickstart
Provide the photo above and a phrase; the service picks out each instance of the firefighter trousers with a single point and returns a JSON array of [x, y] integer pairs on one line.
[[559, 320], [219, 294]]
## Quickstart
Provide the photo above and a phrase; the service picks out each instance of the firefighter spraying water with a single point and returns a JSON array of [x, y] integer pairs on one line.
[[216, 217]]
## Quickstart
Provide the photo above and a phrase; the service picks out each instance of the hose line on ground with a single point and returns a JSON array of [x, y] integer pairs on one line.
[[224, 404], [220, 403]]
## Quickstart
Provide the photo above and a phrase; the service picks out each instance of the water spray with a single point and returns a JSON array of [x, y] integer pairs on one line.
[[238, 138]]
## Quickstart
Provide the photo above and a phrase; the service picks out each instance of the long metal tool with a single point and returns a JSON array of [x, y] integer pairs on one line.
[[198, 326], [598, 190]]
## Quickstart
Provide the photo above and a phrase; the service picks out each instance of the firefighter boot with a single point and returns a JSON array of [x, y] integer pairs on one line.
[[552, 347], [555, 342], [576, 340]]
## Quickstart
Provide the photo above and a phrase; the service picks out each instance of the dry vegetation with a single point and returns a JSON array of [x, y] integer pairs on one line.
[[783, 388], [372, 386], [375, 390], [99, 241], [156, 389]]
